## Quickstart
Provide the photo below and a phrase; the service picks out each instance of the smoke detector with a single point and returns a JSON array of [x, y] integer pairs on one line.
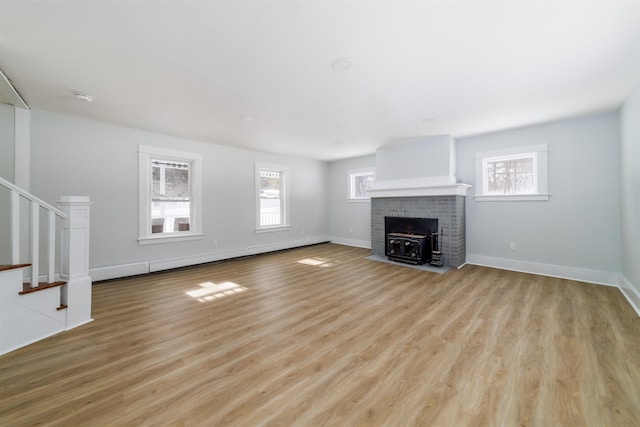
[[341, 64]]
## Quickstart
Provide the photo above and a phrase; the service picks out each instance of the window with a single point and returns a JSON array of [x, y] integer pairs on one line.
[[512, 174], [170, 195], [272, 210], [360, 181]]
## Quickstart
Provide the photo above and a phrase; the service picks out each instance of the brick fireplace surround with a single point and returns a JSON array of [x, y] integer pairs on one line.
[[448, 209]]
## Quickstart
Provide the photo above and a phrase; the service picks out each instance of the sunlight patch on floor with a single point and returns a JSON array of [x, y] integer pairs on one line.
[[318, 262], [210, 291]]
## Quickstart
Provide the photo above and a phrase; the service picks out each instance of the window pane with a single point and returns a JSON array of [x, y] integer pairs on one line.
[[177, 182], [155, 179], [511, 176], [361, 183], [270, 200], [170, 199], [170, 216], [170, 180]]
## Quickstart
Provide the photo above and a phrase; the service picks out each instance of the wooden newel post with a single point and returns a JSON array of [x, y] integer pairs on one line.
[[76, 294]]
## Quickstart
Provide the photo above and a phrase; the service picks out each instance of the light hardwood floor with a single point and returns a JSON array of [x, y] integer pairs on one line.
[[322, 336]]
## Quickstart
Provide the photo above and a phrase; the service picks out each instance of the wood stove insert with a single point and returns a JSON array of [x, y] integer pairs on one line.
[[410, 239]]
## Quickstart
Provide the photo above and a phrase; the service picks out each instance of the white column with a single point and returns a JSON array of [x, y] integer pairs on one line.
[[76, 294]]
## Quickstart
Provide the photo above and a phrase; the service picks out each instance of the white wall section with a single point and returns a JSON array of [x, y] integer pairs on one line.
[[79, 156]]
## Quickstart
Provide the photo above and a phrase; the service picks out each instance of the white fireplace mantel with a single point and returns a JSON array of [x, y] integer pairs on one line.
[[422, 187]]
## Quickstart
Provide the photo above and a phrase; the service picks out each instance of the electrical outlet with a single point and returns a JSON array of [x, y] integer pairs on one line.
[[350, 230], [215, 242], [512, 246]]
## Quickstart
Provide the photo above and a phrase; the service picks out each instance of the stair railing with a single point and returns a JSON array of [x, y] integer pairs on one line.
[[35, 204]]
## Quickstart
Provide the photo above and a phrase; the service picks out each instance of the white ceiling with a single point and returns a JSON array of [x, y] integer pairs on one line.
[[193, 68]]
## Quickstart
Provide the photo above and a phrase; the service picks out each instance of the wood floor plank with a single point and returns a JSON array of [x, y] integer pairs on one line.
[[322, 336]]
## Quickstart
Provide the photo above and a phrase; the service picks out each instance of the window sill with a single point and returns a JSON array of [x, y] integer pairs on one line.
[[168, 239], [513, 198], [272, 229], [367, 200]]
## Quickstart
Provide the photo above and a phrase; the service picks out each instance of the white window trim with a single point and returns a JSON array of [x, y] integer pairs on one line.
[[285, 225], [350, 174], [540, 163], [145, 153]]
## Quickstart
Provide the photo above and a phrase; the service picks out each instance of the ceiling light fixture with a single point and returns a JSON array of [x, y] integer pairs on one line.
[[247, 118], [83, 97], [341, 64]]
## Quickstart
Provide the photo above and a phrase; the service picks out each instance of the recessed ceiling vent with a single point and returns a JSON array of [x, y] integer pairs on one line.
[[83, 96]]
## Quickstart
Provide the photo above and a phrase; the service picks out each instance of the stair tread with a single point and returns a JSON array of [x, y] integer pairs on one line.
[[27, 289], [6, 267]]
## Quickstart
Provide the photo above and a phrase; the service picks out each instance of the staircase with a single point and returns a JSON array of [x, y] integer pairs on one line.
[[34, 306]]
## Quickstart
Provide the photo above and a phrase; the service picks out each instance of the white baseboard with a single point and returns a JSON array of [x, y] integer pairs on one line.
[[169, 263], [351, 242], [115, 271], [278, 246], [630, 292], [572, 273], [124, 270], [184, 261]]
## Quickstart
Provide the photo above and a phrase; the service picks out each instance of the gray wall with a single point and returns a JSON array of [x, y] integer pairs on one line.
[[579, 226], [349, 222], [630, 187], [73, 156]]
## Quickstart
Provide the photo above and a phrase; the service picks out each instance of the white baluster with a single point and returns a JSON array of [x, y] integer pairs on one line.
[[52, 248], [35, 243], [15, 227]]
